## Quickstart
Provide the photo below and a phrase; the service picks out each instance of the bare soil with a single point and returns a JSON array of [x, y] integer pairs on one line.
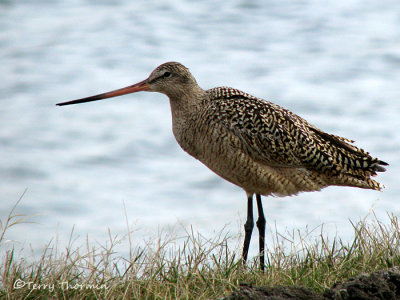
[[378, 285]]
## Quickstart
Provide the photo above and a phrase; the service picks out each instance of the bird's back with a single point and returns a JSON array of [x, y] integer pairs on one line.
[[267, 149]]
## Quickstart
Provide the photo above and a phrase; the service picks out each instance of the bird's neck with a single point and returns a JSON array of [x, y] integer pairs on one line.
[[185, 109], [186, 102]]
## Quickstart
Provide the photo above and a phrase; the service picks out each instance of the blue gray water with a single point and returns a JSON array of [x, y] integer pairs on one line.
[[336, 64]]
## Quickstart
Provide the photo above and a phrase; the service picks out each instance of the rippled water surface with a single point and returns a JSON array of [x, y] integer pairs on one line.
[[336, 64]]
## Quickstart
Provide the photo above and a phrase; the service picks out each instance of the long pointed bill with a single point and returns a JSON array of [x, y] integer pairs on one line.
[[140, 86]]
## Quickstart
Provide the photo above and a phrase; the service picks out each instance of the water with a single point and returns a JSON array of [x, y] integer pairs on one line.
[[336, 64]]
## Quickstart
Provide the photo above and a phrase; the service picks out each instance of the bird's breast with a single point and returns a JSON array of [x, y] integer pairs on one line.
[[188, 135]]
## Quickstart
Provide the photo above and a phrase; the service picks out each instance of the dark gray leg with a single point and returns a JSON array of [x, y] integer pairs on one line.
[[261, 230], [248, 227]]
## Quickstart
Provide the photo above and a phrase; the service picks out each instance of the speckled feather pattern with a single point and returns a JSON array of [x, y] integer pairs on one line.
[[260, 146]]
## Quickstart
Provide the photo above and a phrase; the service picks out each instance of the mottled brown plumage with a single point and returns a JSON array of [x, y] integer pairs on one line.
[[253, 143]]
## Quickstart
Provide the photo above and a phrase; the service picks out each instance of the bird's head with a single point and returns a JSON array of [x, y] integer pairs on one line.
[[170, 77]]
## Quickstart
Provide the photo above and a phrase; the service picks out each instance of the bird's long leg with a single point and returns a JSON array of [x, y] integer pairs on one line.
[[261, 230], [248, 227]]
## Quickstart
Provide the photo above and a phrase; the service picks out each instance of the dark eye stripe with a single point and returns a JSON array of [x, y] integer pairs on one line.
[[165, 75]]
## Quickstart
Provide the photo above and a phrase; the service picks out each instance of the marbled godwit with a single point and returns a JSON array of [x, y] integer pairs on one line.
[[255, 144]]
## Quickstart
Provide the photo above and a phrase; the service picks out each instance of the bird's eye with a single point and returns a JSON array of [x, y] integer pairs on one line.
[[167, 74]]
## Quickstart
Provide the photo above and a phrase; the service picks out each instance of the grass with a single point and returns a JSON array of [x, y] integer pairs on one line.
[[192, 268]]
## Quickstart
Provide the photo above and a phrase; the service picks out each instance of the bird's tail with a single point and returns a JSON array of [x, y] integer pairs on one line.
[[352, 165]]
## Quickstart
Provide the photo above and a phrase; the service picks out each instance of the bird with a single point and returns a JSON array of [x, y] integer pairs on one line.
[[253, 143]]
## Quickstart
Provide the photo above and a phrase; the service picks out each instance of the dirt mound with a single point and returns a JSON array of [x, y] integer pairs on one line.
[[378, 285]]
